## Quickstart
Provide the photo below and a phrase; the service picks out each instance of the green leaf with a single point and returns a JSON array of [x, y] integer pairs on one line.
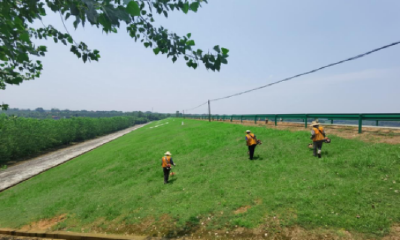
[[216, 48], [74, 9], [19, 23], [42, 12], [225, 51], [22, 57], [103, 20], [42, 48], [190, 43], [24, 37], [3, 57], [189, 35], [156, 51], [174, 59], [185, 8], [133, 8], [113, 14], [146, 45], [224, 61], [194, 6], [122, 14], [92, 16], [76, 22]]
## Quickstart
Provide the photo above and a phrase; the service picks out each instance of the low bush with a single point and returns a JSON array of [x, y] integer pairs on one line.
[[24, 137]]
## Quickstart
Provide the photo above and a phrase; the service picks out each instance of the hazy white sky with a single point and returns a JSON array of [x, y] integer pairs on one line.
[[268, 41]]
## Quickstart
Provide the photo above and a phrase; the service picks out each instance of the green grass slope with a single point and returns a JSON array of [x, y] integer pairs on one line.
[[353, 187]]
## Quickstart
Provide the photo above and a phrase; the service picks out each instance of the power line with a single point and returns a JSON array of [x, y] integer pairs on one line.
[[305, 73], [197, 106], [309, 72]]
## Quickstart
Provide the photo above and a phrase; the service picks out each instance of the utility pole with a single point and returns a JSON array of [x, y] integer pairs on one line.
[[209, 111]]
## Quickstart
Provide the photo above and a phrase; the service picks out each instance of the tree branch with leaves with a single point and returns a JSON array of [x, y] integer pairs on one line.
[[17, 34]]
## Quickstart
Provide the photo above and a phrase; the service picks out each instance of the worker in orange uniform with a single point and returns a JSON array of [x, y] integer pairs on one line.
[[318, 137], [166, 163], [251, 142]]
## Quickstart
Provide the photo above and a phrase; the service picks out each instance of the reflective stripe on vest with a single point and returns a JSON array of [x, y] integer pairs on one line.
[[318, 134], [251, 140], [166, 160]]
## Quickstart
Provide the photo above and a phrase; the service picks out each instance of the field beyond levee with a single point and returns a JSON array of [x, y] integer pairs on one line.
[[352, 192]]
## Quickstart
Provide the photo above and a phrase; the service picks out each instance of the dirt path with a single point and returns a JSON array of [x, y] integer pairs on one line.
[[27, 169]]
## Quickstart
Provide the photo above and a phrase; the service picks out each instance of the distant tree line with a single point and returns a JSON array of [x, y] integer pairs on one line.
[[40, 113]]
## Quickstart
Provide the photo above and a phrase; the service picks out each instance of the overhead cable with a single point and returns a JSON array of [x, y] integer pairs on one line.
[[305, 73], [309, 72], [196, 106]]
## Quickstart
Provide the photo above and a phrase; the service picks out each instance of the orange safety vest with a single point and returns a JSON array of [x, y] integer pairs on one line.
[[318, 134], [166, 160], [251, 140]]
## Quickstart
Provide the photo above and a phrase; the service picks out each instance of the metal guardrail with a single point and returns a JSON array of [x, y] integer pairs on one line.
[[306, 117]]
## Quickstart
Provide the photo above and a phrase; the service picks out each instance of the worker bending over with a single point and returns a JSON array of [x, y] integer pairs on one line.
[[166, 163], [318, 137], [251, 142]]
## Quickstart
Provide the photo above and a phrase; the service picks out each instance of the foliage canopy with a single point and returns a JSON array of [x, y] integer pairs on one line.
[[17, 34]]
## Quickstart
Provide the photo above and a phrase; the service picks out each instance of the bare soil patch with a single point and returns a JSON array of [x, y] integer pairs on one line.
[[241, 210], [44, 224], [165, 228], [394, 233], [270, 229]]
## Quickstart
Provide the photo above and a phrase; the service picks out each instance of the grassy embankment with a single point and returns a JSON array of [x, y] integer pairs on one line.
[[119, 186]]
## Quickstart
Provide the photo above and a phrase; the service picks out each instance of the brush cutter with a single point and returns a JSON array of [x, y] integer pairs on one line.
[[171, 173]]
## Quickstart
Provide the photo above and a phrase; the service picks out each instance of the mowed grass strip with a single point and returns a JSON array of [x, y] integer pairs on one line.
[[353, 187]]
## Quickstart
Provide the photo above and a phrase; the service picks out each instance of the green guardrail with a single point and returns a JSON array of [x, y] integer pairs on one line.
[[305, 117]]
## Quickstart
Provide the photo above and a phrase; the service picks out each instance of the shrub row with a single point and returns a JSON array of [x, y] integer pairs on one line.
[[24, 137]]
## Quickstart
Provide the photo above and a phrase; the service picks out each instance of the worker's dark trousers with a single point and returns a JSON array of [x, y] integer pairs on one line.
[[317, 145], [166, 174], [251, 151]]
